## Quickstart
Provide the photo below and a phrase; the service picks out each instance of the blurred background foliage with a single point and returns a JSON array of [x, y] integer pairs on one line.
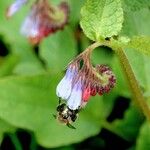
[[29, 76]]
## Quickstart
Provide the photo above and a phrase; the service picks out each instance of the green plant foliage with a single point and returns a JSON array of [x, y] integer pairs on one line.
[[75, 11], [28, 80], [63, 49], [5, 128], [143, 141], [142, 44], [8, 65], [136, 23], [101, 18], [128, 127], [31, 103], [136, 5]]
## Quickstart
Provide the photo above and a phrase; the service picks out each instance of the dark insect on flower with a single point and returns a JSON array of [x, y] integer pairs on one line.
[[65, 115], [43, 20]]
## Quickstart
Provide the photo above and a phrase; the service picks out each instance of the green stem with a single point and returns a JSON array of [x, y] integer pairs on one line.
[[15, 141], [90, 48], [33, 144], [93, 46], [133, 83]]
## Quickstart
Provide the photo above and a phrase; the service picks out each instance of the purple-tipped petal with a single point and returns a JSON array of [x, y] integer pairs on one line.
[[12, 9], [64, 87], [30, 27], [75, 98]]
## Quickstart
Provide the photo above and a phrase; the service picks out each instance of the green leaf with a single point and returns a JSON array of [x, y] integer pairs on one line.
[[58, 48], [143, 141], [141, 43], [75, 7], [140, 65], [121, 87], [128, 127], [133, 26], [101, 18], [8, 65], [31, 103], [5, 128], [136, 5]]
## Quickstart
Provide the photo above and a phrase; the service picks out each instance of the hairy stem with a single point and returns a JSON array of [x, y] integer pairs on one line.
[[88, 50], [133, 83]]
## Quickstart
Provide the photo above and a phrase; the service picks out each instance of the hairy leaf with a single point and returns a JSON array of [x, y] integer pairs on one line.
[[141, 43], [101, 18]]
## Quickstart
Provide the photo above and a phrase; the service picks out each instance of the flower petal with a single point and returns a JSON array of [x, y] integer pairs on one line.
[[75, 98], [30, 27], [63, 89], [15, 7]]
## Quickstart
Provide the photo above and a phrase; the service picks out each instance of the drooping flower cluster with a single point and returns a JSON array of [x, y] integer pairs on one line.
[[82, 81], [43, 19]]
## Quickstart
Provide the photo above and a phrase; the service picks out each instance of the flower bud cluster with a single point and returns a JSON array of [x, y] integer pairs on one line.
[[82, 81]]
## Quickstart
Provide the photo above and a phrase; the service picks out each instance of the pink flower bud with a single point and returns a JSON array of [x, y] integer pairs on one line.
[[86, 94]]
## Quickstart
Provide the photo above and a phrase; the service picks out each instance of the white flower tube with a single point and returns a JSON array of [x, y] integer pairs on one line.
[[30, 27], [64, 87], [75, 98]]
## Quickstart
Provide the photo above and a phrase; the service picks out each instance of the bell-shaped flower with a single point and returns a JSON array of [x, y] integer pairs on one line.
[[43, 20], [30, 27]]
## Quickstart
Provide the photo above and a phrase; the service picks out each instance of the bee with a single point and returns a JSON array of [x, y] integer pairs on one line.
[[65, 115]]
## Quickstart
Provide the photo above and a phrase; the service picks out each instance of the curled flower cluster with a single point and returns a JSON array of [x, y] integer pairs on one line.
[[82, 81], [43, 19]]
